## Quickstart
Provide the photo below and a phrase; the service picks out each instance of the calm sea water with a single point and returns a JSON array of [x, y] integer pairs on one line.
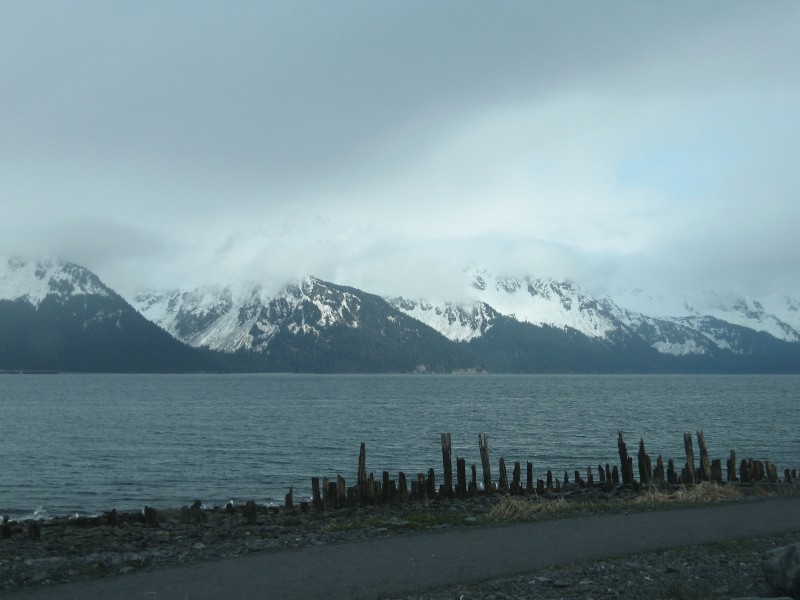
[[87, 443]]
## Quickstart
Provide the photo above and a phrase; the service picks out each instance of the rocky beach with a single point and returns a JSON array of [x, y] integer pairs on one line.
[[46, 553]]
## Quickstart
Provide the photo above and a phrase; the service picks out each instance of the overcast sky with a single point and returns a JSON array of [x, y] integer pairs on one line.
[[390, 145]]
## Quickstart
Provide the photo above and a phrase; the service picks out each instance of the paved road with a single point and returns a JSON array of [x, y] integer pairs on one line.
[[402, 564]]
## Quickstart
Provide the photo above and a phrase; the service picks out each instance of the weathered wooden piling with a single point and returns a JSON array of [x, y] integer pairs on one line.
[[688, 476], [288, 503], [473, 484], [362, 472], [589, 477], [341, 492], [316, 498], [483, 445], [549, 480], [385, 495], [732, 467], [250, 512], [331, 492], [626, 462], [645, 469], [447, 464], [461, 476], [193, 514], [403, 487], [422, 490], [430, 484], [771, 472], [746, 471], [112, 518], [503, 483], [658, 474], [672, 475], [716, 470], [705, 464], [150, 517], [516, 486], [529, 477], [758, 470]]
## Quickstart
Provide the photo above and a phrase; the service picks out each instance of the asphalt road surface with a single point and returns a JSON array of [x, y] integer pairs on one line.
[[404, 564]]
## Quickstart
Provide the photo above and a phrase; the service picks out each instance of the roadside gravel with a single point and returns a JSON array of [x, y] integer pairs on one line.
[[81, 549], [714, 572]]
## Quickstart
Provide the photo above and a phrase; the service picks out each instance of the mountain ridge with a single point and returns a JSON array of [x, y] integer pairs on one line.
[[508, 324]]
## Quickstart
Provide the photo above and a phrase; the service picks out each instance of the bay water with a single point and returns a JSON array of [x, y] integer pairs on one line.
[[84, 443]]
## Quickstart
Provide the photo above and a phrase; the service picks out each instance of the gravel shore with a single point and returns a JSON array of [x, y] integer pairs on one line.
[[87, 548], [713, 572]]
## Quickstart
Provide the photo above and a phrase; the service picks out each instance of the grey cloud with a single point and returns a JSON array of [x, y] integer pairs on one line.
[[417, 133]]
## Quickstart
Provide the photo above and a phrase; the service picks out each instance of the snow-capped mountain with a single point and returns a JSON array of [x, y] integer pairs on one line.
[[35, 280], [336, 328], [59, 316], [774, 314], [686, 325], [230, 318], [526, 299]]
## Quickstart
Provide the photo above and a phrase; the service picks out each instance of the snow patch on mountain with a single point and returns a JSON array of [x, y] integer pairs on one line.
[[35, 280], [543, 301], [459, 323]]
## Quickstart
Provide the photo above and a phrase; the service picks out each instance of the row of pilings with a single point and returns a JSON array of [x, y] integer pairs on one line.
[[333, 493]]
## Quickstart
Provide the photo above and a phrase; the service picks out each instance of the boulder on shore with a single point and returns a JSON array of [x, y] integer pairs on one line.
[[782, 570]]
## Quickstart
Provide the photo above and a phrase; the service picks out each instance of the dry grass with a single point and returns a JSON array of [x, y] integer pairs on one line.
[[513, 508], [702, 493]]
